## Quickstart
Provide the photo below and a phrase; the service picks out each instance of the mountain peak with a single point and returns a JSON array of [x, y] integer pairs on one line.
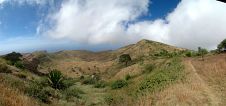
[[144, 41]]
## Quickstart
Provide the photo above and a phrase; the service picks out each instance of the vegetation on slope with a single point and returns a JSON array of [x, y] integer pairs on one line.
[[91, 78]]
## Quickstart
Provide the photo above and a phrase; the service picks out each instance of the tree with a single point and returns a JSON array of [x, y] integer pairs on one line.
[[202, 52], [125, 58], [222, 46], [13, 57]]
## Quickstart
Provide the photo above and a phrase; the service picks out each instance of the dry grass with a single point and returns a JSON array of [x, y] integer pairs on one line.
[[145, 48], [192, 91], [12, 97], [86, 60], [213, 71], [145, 100], [86, 67], [131, 70]]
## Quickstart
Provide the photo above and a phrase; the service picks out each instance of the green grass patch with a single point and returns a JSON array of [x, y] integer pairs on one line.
[[162, 76], [100, 84], [119, 84], [72, 92]]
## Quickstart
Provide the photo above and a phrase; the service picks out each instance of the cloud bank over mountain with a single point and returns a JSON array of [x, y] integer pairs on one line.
[[193, 23]]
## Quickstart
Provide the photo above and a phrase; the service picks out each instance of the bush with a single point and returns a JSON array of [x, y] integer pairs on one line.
[[81, 77], [91, 80], [109, 99], [55, 79], [42, 89], [118, 84], [127, 77], [68, 82], [162, 53], [202, 52], [188, 53], [148, 68], [88, 81], [100, 84], [72, 92], [37, 91], [19, 64], [13, 57], [4, 68], [125, 58], [22, 75]]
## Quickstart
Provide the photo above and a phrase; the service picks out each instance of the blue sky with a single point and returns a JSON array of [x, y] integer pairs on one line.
[[20, 21], [29, 25]]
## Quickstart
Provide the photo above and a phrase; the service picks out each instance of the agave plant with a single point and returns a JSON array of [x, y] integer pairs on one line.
[[55, 79]]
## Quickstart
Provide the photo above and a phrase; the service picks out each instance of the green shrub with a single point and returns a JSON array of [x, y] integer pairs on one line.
[[188, 53], [127, 77], [37, 91], [72, 92], [13, 57], [43, 81], [100, 84], [4, 68], [41, 90], [19, 64], [68, 82], [202, 52], [81, 77], [88, 81], [162, 53], [55, 79], [108, 99], [22, 75], [148, 68], [162, 76], [119, 84], [51, 92], [125, 58]]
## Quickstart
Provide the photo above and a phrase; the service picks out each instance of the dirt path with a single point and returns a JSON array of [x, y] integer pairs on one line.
[[207, 89]]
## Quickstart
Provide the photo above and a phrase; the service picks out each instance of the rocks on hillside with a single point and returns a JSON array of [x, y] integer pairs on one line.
[[31, 63]]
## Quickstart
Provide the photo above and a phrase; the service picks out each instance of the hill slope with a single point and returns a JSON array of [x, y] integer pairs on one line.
[[87, 62], [158, 74]]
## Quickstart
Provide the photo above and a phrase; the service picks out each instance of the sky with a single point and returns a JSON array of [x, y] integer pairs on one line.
[[53, 25]]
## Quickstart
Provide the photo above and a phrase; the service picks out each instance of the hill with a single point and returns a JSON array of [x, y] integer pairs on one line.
[[88, 61], [158, 74]]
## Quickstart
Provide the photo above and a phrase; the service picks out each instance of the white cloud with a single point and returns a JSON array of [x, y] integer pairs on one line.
[[193, 23], [95, 21], [155, 30], [1, 1], [39, 2], [197, 23]]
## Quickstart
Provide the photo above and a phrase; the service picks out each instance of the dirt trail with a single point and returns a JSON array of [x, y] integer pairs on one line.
[[207, 89]]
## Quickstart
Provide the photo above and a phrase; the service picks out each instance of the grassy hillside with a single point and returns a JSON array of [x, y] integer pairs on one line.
[[87, 62], [157, 74]]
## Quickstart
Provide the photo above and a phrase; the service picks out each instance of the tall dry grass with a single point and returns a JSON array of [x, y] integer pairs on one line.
[[11, 97]]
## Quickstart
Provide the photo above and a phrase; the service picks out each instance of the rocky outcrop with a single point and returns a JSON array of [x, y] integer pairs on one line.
[[31, 63]]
